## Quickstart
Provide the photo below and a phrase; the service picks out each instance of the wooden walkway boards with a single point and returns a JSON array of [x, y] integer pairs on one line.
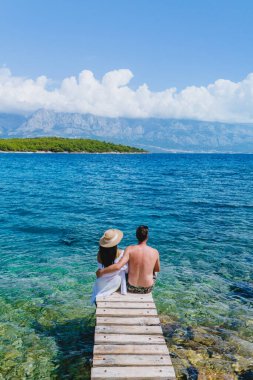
[[129, 342]]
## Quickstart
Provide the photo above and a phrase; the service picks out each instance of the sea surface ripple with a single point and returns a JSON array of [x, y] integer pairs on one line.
[[54, 208]]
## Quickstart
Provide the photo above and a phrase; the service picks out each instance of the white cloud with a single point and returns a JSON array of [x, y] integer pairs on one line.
[[222, 100]]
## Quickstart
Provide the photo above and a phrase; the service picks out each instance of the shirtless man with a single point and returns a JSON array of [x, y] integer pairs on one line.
[[142, 261]]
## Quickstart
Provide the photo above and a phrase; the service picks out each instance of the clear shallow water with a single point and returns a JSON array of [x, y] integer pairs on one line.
[[53, 209]]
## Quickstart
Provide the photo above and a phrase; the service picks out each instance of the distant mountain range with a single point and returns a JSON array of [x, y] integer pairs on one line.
[[157, 135]]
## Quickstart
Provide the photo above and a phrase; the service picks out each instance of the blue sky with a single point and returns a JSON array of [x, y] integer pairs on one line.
[[164, 43], [135, 58]]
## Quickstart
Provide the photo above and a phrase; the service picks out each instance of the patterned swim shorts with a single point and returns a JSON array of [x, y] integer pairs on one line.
[[139, 289]]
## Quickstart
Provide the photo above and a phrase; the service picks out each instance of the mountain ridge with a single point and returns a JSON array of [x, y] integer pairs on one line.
[[162, 135]]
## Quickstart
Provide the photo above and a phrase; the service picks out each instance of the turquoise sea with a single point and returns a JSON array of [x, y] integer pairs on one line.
[[53, 209]]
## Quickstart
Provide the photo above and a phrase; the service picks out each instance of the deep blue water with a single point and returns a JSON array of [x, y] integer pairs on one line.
[[53, 209]]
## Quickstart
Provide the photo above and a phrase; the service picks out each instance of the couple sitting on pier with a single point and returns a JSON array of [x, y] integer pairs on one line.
[[132, 270]]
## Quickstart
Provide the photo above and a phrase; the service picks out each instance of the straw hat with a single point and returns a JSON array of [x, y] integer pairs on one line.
[[111, 238]]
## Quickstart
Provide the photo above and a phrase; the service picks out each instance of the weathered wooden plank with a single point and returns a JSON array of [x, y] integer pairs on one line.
[[142, 321], [131, 360], [147, 330], [126, 305], [137, 373], [129, 297], [100, 312], [134, 349], [128, 339]]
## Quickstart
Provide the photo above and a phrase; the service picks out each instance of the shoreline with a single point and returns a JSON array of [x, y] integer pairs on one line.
[[50, 152], [167, 152]]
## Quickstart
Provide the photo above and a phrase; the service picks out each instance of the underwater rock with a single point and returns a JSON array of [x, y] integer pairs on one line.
[[216, 376], [242, 289], [242, 347], [203, 337], [246, 375], [170, 328], [241, 365], [192, 364], [192, 373], [207, 353]]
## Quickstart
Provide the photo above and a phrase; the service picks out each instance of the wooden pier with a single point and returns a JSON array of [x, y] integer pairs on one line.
[[129, 343]]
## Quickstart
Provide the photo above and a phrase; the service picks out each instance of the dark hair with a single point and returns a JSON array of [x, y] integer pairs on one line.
[[142, 233], [108, 255]]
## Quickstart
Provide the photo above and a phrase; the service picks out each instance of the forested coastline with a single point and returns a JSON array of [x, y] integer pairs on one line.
[[61, 145]]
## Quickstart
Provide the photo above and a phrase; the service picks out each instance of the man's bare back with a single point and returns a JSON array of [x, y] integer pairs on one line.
[[143, 262]]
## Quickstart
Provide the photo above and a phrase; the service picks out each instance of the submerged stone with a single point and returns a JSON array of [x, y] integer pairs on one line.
[[246, 375], [242, 289]]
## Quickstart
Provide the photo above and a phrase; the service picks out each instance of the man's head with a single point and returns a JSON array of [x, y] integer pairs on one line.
[[142, 233]]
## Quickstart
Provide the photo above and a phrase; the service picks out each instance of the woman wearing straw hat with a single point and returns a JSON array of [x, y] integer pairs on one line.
[[109, 254]]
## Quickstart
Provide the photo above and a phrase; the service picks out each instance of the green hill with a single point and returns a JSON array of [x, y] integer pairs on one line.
[[59, 144]]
